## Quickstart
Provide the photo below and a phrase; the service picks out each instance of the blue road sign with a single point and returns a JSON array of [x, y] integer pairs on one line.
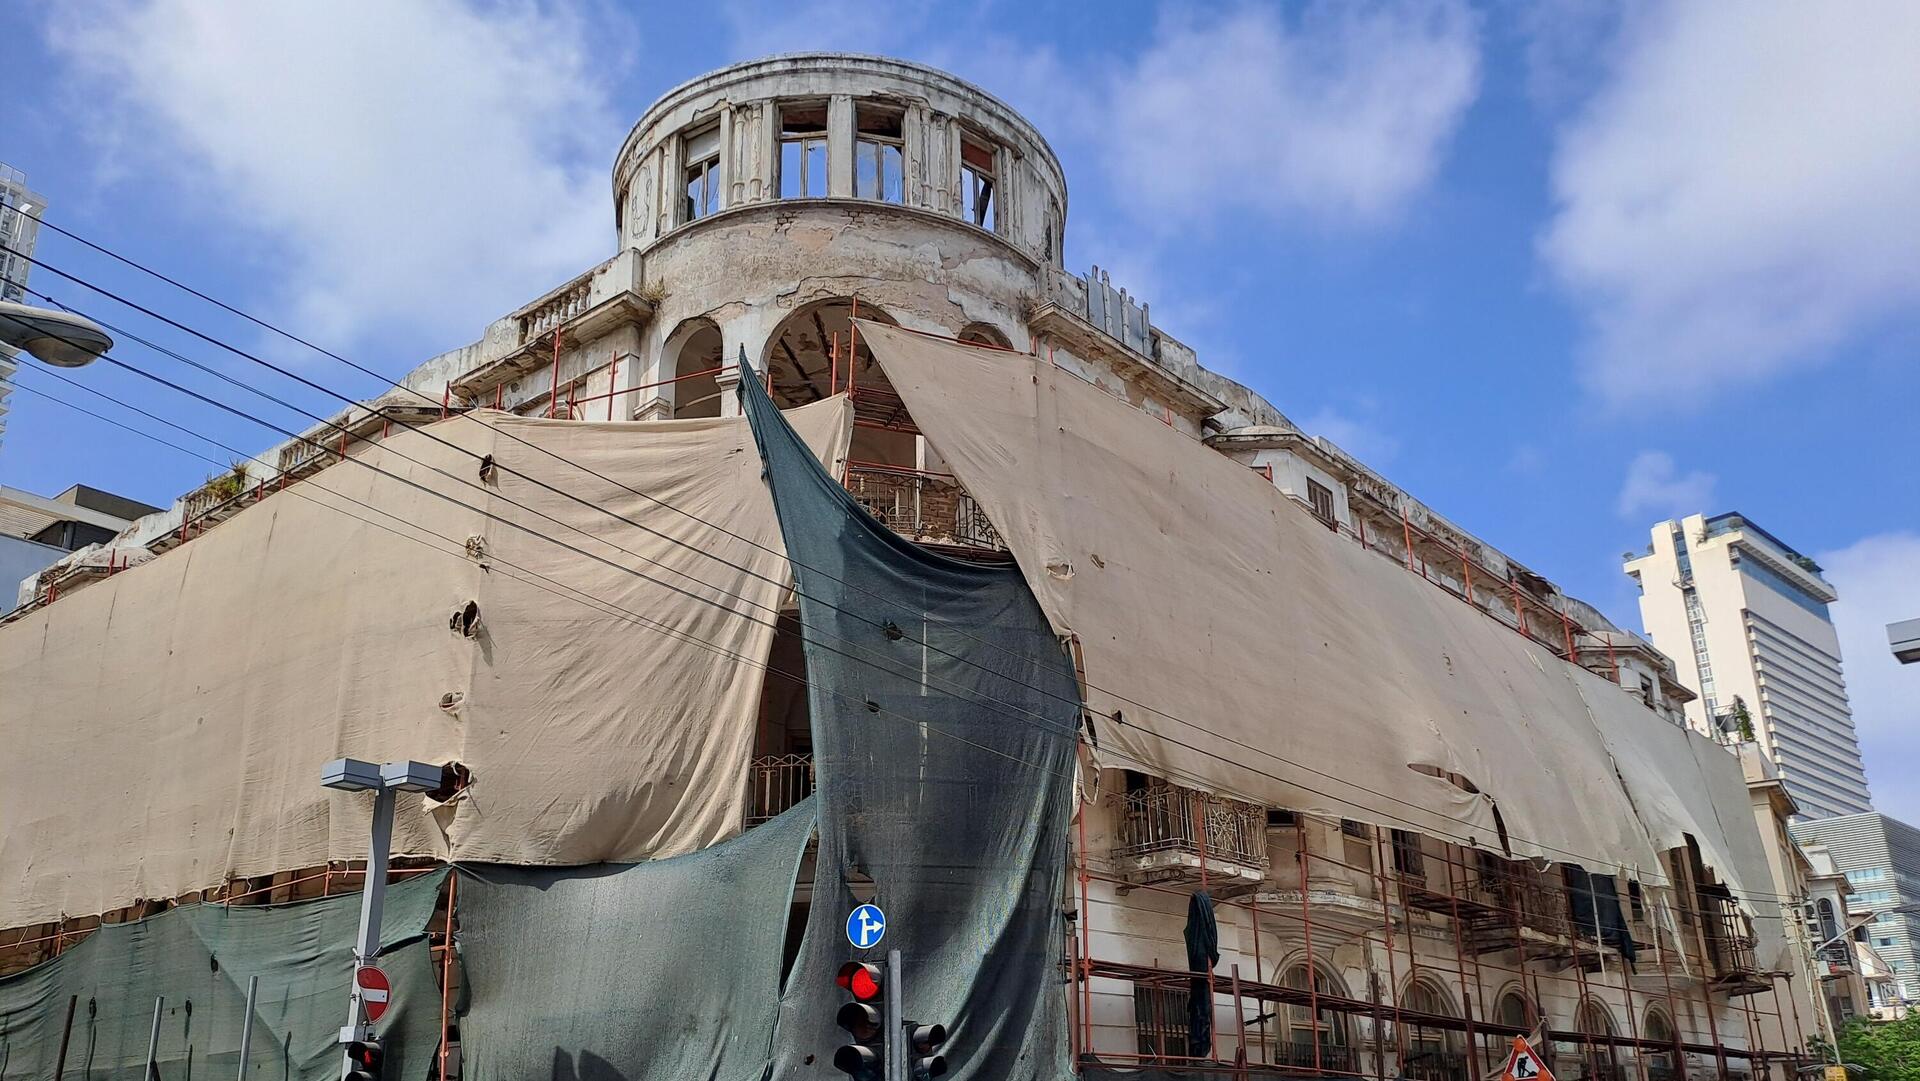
[[866, 926]]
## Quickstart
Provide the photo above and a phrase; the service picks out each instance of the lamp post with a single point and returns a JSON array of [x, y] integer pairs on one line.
[[386, 782], [62, 339]]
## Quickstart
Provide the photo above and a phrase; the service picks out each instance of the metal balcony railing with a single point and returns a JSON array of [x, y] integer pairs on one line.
[[921, 505], [775, 783], [1298, 1054], [1425, 1064], [1168, 818]]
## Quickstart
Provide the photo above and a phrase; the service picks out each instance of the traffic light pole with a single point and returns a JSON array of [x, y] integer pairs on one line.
[[373, 897], [896, 1044]]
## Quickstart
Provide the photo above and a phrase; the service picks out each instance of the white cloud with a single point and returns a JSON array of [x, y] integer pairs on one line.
[[1364, 439], [421, 167], [1655, 486], [1878, 578], [1340, 114], [1739, 198]]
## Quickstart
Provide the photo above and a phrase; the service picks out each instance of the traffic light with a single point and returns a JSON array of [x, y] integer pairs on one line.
[[363, 1059], [864, 1019], [924, 1060]]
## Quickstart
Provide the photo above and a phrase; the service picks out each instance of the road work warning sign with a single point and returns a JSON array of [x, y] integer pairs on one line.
[[1524, 1065]]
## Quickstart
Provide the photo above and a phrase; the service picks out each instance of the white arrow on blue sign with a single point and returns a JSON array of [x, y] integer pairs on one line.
[[866, 926]]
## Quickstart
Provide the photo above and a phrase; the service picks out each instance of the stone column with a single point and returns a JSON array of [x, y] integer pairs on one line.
[[728, 380], [840, 146]]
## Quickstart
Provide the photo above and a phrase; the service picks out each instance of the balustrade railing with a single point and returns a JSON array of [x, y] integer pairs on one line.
[[563, 304], [922, 505], [776, 783], [1166, 817]]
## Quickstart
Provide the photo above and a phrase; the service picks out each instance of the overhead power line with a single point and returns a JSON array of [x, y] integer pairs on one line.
[[354, 403]]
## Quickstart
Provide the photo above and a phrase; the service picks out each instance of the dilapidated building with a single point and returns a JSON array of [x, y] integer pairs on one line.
[[1172, 644]]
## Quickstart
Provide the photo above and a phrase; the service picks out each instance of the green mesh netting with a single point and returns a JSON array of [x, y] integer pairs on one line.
[[197, 960], [943, 715], [662, 971]]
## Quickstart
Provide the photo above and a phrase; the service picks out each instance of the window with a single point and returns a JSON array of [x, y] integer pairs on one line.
[[1432, 1054], [1320, 497], [1280, 816], [803, 152], [702, 154], [1305, 1028], [1355, 829], [1636, 901], [877, 154], [977, 183], [1406, 854], [1160, 1020], [1646, 692]]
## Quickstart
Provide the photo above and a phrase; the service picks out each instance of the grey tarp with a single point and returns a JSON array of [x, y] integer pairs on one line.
[[667, 970], [198, 959], [943, 713]]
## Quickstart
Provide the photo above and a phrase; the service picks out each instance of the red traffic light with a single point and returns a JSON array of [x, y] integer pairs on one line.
[[365, 1059], [862, 980]]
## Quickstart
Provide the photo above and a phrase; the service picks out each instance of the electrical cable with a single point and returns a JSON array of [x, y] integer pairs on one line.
[[1198, 780], [458, 551], [354, 403]]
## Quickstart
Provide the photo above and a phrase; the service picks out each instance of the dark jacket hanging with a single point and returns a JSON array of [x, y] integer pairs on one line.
[[1203, 952]]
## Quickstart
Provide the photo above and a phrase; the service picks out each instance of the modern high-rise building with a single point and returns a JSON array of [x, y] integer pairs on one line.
[[20, 210], [1881, 858], [1744, 617]]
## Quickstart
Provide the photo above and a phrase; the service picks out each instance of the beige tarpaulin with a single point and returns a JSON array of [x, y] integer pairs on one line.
[[1233, 643], [164, 728]]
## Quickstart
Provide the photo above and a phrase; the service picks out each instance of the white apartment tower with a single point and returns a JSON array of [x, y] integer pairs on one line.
[[1744, 617]]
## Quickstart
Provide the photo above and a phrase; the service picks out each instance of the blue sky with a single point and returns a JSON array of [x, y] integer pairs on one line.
[[1560, 269]]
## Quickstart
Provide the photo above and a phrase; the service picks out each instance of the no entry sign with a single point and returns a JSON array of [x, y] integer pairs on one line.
[[375, 991]]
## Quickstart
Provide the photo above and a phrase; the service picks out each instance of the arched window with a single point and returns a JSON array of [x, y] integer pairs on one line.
[[1431, 1052], [1658, 1029], [1305, 1027], [1598, 1060], [1511, 1010], [1829, 926], [695, 349], [985, 334]]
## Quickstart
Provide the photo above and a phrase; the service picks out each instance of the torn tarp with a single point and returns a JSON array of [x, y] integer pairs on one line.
[[943, 712]]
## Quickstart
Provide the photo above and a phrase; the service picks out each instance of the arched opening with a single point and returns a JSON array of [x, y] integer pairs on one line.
[[1598, 1061], [1511, 1010], [1829, 925], [1658, 1029], [696, 348], [985, 334], [1431, 1053], [815, 353], [1306, 1028]]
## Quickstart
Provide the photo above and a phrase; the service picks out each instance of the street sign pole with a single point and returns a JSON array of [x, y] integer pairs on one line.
[[896, 1055], [373, 897]]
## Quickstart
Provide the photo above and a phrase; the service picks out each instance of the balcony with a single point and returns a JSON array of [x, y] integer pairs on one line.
[[1164, 832], [1427, 1064], [1731, 944], [775, 783], [1299, 1054], [928, 507]]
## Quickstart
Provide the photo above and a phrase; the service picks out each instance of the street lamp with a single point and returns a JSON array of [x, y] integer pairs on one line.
[[386, 782], [62, 339]]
